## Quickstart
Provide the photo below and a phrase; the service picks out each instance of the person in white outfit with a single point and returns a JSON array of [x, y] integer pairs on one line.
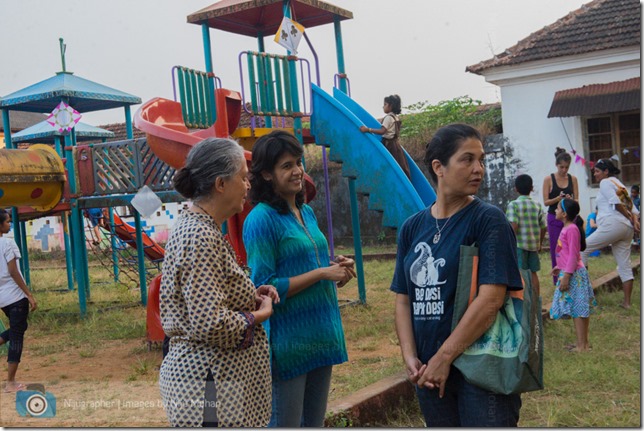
[[615, 225], [15, 301]]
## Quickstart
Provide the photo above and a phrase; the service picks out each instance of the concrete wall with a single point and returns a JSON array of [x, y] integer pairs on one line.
[[371, 229]]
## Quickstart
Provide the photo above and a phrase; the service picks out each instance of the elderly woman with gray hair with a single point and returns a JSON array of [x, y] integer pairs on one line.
[[217, 371]]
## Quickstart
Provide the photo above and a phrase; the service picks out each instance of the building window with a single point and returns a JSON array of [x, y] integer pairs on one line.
[[616, 134]]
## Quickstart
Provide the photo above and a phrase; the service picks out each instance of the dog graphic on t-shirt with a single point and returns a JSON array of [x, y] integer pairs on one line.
[[424, 270]]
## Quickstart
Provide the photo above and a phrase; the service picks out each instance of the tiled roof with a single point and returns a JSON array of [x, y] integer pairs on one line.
[[596, 26], [120, 132], [595, 99], [21, 120]]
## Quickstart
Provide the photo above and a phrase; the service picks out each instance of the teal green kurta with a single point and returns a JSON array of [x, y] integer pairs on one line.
[[305, 329]]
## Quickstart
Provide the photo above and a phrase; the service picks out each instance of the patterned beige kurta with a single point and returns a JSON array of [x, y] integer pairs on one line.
[[204, 294]]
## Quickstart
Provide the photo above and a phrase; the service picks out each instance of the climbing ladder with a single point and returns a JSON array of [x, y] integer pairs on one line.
[[118, 256]]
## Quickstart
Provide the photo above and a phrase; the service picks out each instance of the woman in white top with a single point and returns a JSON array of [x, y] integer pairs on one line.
[[615, 225], [390, 131], [15, 301]]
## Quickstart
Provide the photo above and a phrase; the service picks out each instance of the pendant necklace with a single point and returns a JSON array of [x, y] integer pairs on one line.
[[437, 237]]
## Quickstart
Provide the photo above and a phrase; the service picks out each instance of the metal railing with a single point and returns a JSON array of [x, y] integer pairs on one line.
[[126, 166], [197, 96], [274, 90]]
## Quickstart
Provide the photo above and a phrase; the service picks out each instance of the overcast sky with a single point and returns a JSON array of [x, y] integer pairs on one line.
[[416, 48]]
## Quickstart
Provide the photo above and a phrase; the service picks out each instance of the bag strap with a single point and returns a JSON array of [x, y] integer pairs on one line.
[[623, 195], [474, 281]]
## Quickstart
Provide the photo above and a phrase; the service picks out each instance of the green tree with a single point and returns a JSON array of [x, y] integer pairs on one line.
[[422, 119]]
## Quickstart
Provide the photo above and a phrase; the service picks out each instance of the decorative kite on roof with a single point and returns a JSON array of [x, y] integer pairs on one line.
[[63, 118], [289, 34]]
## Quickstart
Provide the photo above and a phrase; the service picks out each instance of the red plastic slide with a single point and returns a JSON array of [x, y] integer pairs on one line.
[[170, 139], [128, 235]]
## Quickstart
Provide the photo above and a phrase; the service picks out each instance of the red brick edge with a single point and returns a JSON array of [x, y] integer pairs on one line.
[[372, 403]]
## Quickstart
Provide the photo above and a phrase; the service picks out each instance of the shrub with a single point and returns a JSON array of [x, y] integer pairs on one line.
[[423, 119]]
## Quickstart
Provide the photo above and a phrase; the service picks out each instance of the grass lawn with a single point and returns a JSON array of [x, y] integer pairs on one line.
[[600, 388]]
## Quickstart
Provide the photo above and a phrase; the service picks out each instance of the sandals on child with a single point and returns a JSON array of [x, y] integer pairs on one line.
[[9, 388]]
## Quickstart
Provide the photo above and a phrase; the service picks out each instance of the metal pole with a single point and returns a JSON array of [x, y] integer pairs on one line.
[[68, 252], [128, 122], [139, 230], [355, 216], [207, 51], [59, 148], [84, 256], [63, 221], [115, 255], [297, 121], [357, 244], [339, 50], [262, 79], [140, 256], [17, 226], [25, 255], [63, 48], [78, 233]]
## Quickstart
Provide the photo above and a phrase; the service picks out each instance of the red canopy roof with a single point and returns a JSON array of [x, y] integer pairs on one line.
[[255, 17], [618, 96]]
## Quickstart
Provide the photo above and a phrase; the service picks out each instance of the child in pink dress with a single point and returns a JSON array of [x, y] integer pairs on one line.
[[574, 295]]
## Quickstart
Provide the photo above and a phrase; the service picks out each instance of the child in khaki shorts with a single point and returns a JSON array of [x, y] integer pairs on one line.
[[529, 223]]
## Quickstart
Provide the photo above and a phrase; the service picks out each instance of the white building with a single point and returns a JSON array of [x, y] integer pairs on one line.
[[574, 84]]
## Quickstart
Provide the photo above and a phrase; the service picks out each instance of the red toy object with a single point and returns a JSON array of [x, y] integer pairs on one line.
[[128, 235], [154, 330], [171, 141]]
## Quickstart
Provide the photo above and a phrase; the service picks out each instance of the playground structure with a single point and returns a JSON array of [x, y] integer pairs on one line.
[[117, 171], [276, 91]]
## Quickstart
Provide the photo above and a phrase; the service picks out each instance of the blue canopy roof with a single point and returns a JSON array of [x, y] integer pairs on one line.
[[82, 94], [44, 132]]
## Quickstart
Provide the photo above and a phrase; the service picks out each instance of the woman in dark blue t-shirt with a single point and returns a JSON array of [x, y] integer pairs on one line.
[[425, 283]]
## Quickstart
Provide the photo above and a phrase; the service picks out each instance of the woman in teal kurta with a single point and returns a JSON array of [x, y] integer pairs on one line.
[[286, 249]]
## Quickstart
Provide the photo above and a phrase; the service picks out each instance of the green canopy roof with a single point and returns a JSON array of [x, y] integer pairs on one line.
[[44, 132], [81, 94]]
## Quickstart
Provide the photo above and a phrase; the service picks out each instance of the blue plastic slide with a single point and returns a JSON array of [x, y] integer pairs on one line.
[[335, 123]]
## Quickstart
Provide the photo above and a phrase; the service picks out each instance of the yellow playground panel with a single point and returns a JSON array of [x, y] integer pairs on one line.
[[33, 177]]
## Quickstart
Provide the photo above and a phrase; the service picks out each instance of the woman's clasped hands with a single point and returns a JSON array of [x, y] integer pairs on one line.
[[265, 297], [432, 375], [342, 270]]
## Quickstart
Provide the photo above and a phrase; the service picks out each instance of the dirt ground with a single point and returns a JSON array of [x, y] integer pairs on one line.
[[116, 387], [92, 391]]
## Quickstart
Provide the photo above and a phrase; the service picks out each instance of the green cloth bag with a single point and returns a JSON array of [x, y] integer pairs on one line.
[[508, 357]]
